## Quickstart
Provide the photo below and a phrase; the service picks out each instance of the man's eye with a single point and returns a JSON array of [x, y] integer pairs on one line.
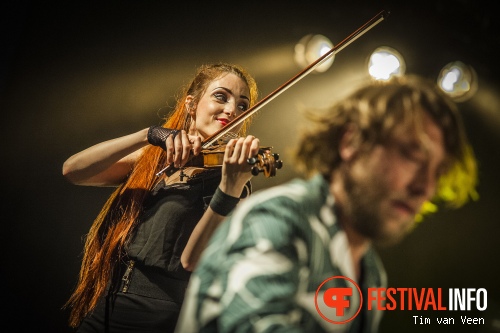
[[411, 153], [407, 153]]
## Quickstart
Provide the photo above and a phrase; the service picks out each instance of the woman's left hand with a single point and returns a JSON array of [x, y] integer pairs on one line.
[[236, 171]]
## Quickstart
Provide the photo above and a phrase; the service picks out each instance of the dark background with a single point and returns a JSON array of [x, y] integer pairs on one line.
[[76, 73]]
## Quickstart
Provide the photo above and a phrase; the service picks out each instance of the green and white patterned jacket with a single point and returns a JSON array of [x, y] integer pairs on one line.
[[264, 264]]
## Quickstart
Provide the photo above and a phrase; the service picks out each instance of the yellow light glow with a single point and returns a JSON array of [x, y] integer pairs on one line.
[[310, 48]]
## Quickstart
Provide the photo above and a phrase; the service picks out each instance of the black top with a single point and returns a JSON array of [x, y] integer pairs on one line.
[[170, 214]]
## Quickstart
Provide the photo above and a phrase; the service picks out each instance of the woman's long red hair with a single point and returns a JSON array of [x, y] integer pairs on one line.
[[112, 229]]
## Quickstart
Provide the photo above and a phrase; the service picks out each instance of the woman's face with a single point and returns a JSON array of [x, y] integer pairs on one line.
[[223, 100]]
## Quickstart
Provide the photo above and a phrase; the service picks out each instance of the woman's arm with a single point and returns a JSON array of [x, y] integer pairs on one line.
[[106, 163], [236, 172], [109, 162]]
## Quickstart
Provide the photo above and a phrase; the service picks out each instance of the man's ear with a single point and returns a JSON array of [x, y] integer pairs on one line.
[[349, 143]]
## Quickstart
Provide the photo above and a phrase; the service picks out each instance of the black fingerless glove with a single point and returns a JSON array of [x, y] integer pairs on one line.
[[157, 135]]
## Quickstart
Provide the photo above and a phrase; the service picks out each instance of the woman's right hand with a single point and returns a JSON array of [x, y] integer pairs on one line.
[[179, 148]]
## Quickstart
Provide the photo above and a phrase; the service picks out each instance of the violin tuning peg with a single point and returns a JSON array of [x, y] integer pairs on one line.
[[276, 156], [255, 171], [279, 164], [252, 160]]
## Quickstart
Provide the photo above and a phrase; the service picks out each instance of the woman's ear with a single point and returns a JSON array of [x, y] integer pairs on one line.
[[190, 105], [349, 143]]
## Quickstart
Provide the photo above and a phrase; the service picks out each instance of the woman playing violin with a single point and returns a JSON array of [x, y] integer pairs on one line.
[[143, 245]]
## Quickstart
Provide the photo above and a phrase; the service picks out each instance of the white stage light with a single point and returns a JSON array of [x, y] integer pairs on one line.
[[458, 80], [385, 62]]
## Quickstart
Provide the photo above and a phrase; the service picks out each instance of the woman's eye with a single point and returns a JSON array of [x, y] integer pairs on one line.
[[220, 97], [243, 107]]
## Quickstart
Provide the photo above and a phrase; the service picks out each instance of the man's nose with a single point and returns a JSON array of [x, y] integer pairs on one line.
[[424, 182]]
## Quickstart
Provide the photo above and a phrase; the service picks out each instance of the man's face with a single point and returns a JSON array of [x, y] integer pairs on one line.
[[386, 188]]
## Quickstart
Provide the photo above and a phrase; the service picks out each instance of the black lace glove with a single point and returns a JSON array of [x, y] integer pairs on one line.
[[157, 135]]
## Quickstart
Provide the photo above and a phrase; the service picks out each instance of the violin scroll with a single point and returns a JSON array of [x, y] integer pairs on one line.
[[265, 162]]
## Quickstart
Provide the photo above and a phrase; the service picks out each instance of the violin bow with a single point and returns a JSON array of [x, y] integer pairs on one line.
[[334, 50], [296, 78]]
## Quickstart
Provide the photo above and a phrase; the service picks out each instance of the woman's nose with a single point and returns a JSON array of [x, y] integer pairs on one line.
[[230, 110]]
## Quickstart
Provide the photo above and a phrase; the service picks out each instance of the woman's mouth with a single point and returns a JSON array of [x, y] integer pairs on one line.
[[223, 121]]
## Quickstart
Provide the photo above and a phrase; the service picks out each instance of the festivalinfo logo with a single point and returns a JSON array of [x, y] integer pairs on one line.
[[340, 305]]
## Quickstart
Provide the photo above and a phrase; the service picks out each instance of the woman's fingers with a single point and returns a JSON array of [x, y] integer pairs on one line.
[[185, 149], [179, 148], [241, 149], [195, 144], [254, 148], [170, 149]]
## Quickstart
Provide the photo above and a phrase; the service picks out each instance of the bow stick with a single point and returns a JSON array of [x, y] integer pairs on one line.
[[334, 50], [340, 46]]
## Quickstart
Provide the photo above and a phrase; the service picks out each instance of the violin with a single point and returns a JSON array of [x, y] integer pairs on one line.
[[265, 161]]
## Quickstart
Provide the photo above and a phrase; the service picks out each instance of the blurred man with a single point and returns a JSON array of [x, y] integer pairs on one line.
[[377, 161]]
